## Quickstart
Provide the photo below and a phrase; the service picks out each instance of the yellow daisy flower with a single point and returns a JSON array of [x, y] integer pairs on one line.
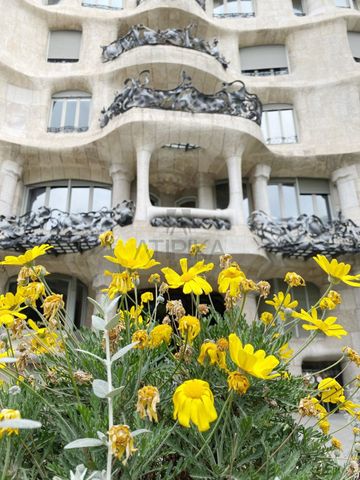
[[337, 272], [327, 326], [282, 302], [190, 279], [28, 257], [131, 256]]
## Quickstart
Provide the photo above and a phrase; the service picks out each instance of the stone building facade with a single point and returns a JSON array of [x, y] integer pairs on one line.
[[193, 175]]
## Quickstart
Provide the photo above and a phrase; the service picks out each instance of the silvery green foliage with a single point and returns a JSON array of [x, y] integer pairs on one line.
[[81, 473]]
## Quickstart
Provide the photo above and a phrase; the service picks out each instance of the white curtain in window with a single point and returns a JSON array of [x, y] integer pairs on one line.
[[354, 42], [263, 56], [64, 45]]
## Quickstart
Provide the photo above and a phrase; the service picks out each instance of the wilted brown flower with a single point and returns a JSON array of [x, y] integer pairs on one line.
[[263, 288], [27, 274], [82, 377], [203, 309], [121, 441], [294, 280], [164, 287], [148, 398], [225, 260], [307, 408], [175, 308], [52, 304], [185, 354]]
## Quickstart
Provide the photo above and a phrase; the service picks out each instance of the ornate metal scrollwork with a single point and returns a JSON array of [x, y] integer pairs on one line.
[[66, 232], [139, 35], [232, 99], [306, 235], [188, 222], [200, 2]]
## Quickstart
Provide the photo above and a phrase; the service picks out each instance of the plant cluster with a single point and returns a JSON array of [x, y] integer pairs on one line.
[[155, 390]]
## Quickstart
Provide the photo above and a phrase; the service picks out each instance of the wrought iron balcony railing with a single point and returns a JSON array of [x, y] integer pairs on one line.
[[234, 14], [200, 2], [266, 72], [233, 99], [66, 232], [306, 235], [103, 7], [282, 140], [67, 129]]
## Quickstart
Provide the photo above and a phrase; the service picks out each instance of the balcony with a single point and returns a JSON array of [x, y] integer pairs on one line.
[[66, 232], [306, 235]]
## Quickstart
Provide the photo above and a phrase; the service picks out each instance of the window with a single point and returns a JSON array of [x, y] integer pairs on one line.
[[107, 4], [74, 294], [186, 202], [70, 112], [354, 42], [345, 3], [306, 296], [222, 196], [264, 60], [154, 200], [293, 197], [51, 2], [64, 46], [233, 8], [69, 196], [278, 125], [298, 7]]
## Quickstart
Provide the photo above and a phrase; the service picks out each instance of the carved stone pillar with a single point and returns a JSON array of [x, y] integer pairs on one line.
[[10, 173], [143, 158], [235, 189], [345, 180], [259, 179], [122, 178], [205, 191]]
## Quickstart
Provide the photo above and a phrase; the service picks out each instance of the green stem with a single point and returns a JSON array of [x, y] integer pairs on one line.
[[110, 400], [7, 459], [215, 426], [328, 368]]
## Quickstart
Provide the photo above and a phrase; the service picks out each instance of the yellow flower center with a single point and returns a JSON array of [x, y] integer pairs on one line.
[[186, 277], [194, 390]]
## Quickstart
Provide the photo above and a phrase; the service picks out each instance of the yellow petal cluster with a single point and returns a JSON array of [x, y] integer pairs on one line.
[[229, 280], [197, 248], [160, 334], [294, 280], [238, 382], [213, 353], [28, 257], [255, 363], [9, 414], [121, 283], [131, 256], [190, 278], [337, 271], [189, 328], [194, 402], [142, 337], [330, 390], [282, 302], [328, 326], [106, 239], [52, 304], [147, 297]]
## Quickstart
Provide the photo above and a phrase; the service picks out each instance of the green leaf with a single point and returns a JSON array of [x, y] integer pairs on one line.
[[22, 424], [120, 353], [135, 433], [84, 442], [97, 323], [100, 388], [97, 306], [115, 392], [91, 354]]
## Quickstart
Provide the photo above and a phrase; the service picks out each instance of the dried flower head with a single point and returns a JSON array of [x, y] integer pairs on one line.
[[203, 309], [121, 441], [164, 287], [148, 398], [238, 382], [154, 278], [82, 378], [248, 285], [294, 280], [140, 336], [31, 274], [222, 344], [327, 304], [175, 308], [197, 248], [307, 408], [52, 304], [263, 288], [334, 297], [106, 239], [352, 355], [335, 443], [225, 260]]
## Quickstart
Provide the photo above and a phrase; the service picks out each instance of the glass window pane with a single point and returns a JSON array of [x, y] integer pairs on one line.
[[218, 7], [274, 200], [322, 207], [297, 5], [222, 195], [306, 204], [101, 198], [36, 198], [84, 114], [57, 107], [70, 113], [117, 3], [246, 6], [232, 6], [288, 125], [342, 3], [274, 127], [79, 199], [246, 207], [58, 198], [289, 198]]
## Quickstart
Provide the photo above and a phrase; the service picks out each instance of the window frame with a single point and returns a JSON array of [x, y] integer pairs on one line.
[[63, 60], [267, 71], [296, 182], [274, 107], [69, 184], [239, 13], [66, 97]]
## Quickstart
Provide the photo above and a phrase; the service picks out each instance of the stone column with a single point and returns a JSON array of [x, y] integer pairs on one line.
[[235, 189], [143, 158], [205, 191], [122, 178], [259, 179], [345, 180], [100, 282], [10, 173]]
